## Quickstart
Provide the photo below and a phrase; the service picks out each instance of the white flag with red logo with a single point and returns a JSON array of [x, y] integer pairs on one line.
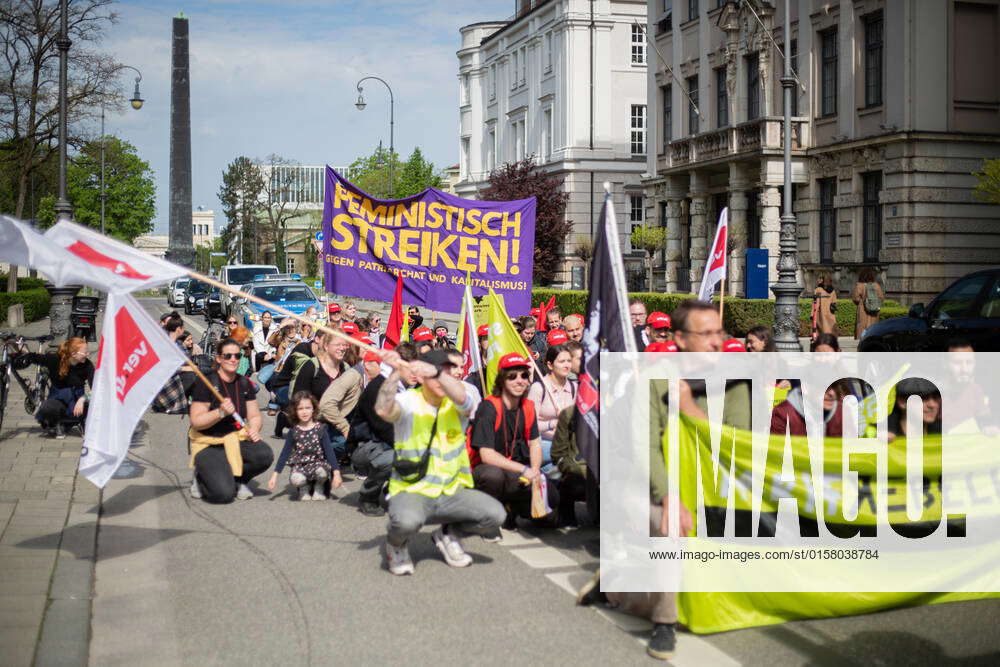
[[715, 265], [134, 360], [23, 246], [110, 265]]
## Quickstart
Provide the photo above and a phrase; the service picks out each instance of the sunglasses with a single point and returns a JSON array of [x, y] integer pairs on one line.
[[231, 322], [229, 355], [524, 375]]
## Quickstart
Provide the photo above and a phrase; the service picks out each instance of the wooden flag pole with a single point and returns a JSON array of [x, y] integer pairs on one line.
[[278, 309], [212, 388], [722, 301]]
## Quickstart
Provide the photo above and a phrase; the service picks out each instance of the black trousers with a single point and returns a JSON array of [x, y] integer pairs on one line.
[[374, 459], [505, 487], [53, 411], [218, 485], [571, 489]]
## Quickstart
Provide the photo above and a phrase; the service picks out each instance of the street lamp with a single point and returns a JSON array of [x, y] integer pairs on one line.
[[360, 104], [787, 289], [136, 102]]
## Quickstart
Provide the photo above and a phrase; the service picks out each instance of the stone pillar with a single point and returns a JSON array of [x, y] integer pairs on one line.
[[61, 305], [180, 248], [764, 59], [698, 231], [673, 242], [737, 228], [770, 227]]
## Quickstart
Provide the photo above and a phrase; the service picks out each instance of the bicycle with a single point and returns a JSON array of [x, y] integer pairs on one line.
[[214, 333], [35, 391]]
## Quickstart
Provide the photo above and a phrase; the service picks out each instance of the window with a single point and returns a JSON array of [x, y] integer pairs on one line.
[[872, 185], [635, 211], [464, 166], [959, 299], [753, 219], [513, 69], [517, 135], [493, 81], [465, 89], [692, 85], [491, 147], [547, 139], [753, 86], [828, 76], [638, 124], [638, 45], [794, 57], [548, 52], [721, 98], [666, 92], [873, 60], [665, 21], [692, 9], [827, 220], [290, 266], [524, 64]]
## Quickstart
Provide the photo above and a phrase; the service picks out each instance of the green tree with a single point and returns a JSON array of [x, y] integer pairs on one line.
[[651, 239], [129, 188], [371, 173], [520, 180], [241, 196], [988, 186], [416, 176]]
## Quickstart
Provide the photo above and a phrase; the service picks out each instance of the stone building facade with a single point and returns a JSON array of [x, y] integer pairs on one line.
[[897, 102], [563, 82]]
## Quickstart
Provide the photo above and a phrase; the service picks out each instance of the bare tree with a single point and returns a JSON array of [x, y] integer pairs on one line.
[[29, 84], [584, 251], [282, 190]]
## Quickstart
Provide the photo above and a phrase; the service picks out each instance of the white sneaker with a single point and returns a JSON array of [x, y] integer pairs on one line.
[[318, 493], [451, 549], [195, 489], [244, 492], [399, 559]]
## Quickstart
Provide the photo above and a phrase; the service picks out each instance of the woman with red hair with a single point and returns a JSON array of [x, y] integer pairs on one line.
[[70, 373]]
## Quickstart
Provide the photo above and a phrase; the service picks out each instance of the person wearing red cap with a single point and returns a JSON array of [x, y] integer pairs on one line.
[[505, 436], [424, 339], [475, 378], [733, 345], [556, 337], [333, 310], [662, 346], [658, 327], [431, 481], [349, 327]]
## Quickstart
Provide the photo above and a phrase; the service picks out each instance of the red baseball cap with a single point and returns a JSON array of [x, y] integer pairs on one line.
[[513, 360], [664, 346], [734, 345], [371, 356], [363, 338], [333, 308], [349, 328], [534, 312], [557, 337], [658, 320], [484, 330], [422, 334]]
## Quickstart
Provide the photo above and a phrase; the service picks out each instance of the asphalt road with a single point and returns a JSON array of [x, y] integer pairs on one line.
[[272, 581]]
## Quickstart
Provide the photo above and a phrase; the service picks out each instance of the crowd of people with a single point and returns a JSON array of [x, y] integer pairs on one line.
[[431, 444]]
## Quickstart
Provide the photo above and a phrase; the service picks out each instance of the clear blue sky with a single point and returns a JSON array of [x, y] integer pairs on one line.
[[279, 77]]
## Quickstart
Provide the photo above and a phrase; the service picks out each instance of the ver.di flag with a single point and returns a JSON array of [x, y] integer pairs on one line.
[[109, 265], [21, 245], [134, 360], [715, 265], [467, 338], [607, 327]]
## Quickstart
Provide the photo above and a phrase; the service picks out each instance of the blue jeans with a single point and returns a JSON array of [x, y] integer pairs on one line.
[[337, 441], [281, 396]]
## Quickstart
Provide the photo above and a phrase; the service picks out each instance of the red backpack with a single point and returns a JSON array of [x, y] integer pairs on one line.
[[529, 417]]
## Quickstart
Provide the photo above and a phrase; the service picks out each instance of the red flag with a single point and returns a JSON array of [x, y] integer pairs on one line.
[[543, 310], [395, 323]]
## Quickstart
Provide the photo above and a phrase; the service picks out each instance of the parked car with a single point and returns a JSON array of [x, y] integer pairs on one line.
[[292, 295], [175, 292], [235, 275], [195, 295], [969, 308]]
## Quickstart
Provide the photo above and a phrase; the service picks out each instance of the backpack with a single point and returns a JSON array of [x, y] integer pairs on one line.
[[529, 417], [872, 302], [298, 362]]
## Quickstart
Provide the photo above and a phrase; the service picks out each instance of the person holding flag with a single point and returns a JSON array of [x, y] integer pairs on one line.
[[715, 264]]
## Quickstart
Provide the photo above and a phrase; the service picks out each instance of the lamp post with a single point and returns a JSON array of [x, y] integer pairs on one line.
[[136, 102], [787, 289], [360, 104], [63, 209]]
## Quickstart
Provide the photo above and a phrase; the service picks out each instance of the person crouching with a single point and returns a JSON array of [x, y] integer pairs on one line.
[[307, 450]]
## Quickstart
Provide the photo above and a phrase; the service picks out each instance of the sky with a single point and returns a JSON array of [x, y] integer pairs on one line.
[[280, 77]]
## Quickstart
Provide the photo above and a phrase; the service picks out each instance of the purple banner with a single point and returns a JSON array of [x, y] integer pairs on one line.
[[433, 239]]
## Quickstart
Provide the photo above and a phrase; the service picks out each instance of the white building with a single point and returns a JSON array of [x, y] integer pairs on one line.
[[563, 81], [203, 227]]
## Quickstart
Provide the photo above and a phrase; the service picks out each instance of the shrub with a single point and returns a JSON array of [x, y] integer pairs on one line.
[[24, 283], [740, 315], [36, 302]]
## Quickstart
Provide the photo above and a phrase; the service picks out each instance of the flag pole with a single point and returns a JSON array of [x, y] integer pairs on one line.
[[722, 301], [283, 311], [212, 388]]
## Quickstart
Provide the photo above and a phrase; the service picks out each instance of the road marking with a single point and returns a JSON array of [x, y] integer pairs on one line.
[[543, 558], [513, 538]]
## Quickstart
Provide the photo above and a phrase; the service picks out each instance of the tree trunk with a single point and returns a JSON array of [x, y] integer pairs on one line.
[[649, 271]]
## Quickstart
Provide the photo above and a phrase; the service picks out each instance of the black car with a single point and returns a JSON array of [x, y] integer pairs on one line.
[[969, 308], [195, 295]]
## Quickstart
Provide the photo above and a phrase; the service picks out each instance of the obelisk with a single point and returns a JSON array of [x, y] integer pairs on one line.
[[180, 247]]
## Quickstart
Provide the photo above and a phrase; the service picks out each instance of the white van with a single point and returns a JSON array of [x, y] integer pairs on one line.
[[237, 275]]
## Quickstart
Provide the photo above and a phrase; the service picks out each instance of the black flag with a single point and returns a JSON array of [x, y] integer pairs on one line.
[[607, 327]]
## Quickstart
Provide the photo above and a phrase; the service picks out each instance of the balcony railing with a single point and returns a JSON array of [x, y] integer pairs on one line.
[[761, 134]]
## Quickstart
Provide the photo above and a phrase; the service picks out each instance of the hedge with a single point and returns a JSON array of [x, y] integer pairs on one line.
[[36, 303], [23, 283], [740, 316]]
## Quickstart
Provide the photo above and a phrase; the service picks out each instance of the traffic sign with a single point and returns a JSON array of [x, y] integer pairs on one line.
[[318, 284], [217, 254], [319, 236]]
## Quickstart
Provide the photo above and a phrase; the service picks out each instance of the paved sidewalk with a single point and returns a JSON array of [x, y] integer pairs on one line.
[[47, 545]]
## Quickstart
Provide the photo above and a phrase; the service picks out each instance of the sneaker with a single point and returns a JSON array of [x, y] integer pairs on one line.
[[244, 492], [306, 492], [591, 592], [319, 493], [451, 549], [371, 509], [195, 489], [663, 641], [60, 432], [399, 559], [493, 539]]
